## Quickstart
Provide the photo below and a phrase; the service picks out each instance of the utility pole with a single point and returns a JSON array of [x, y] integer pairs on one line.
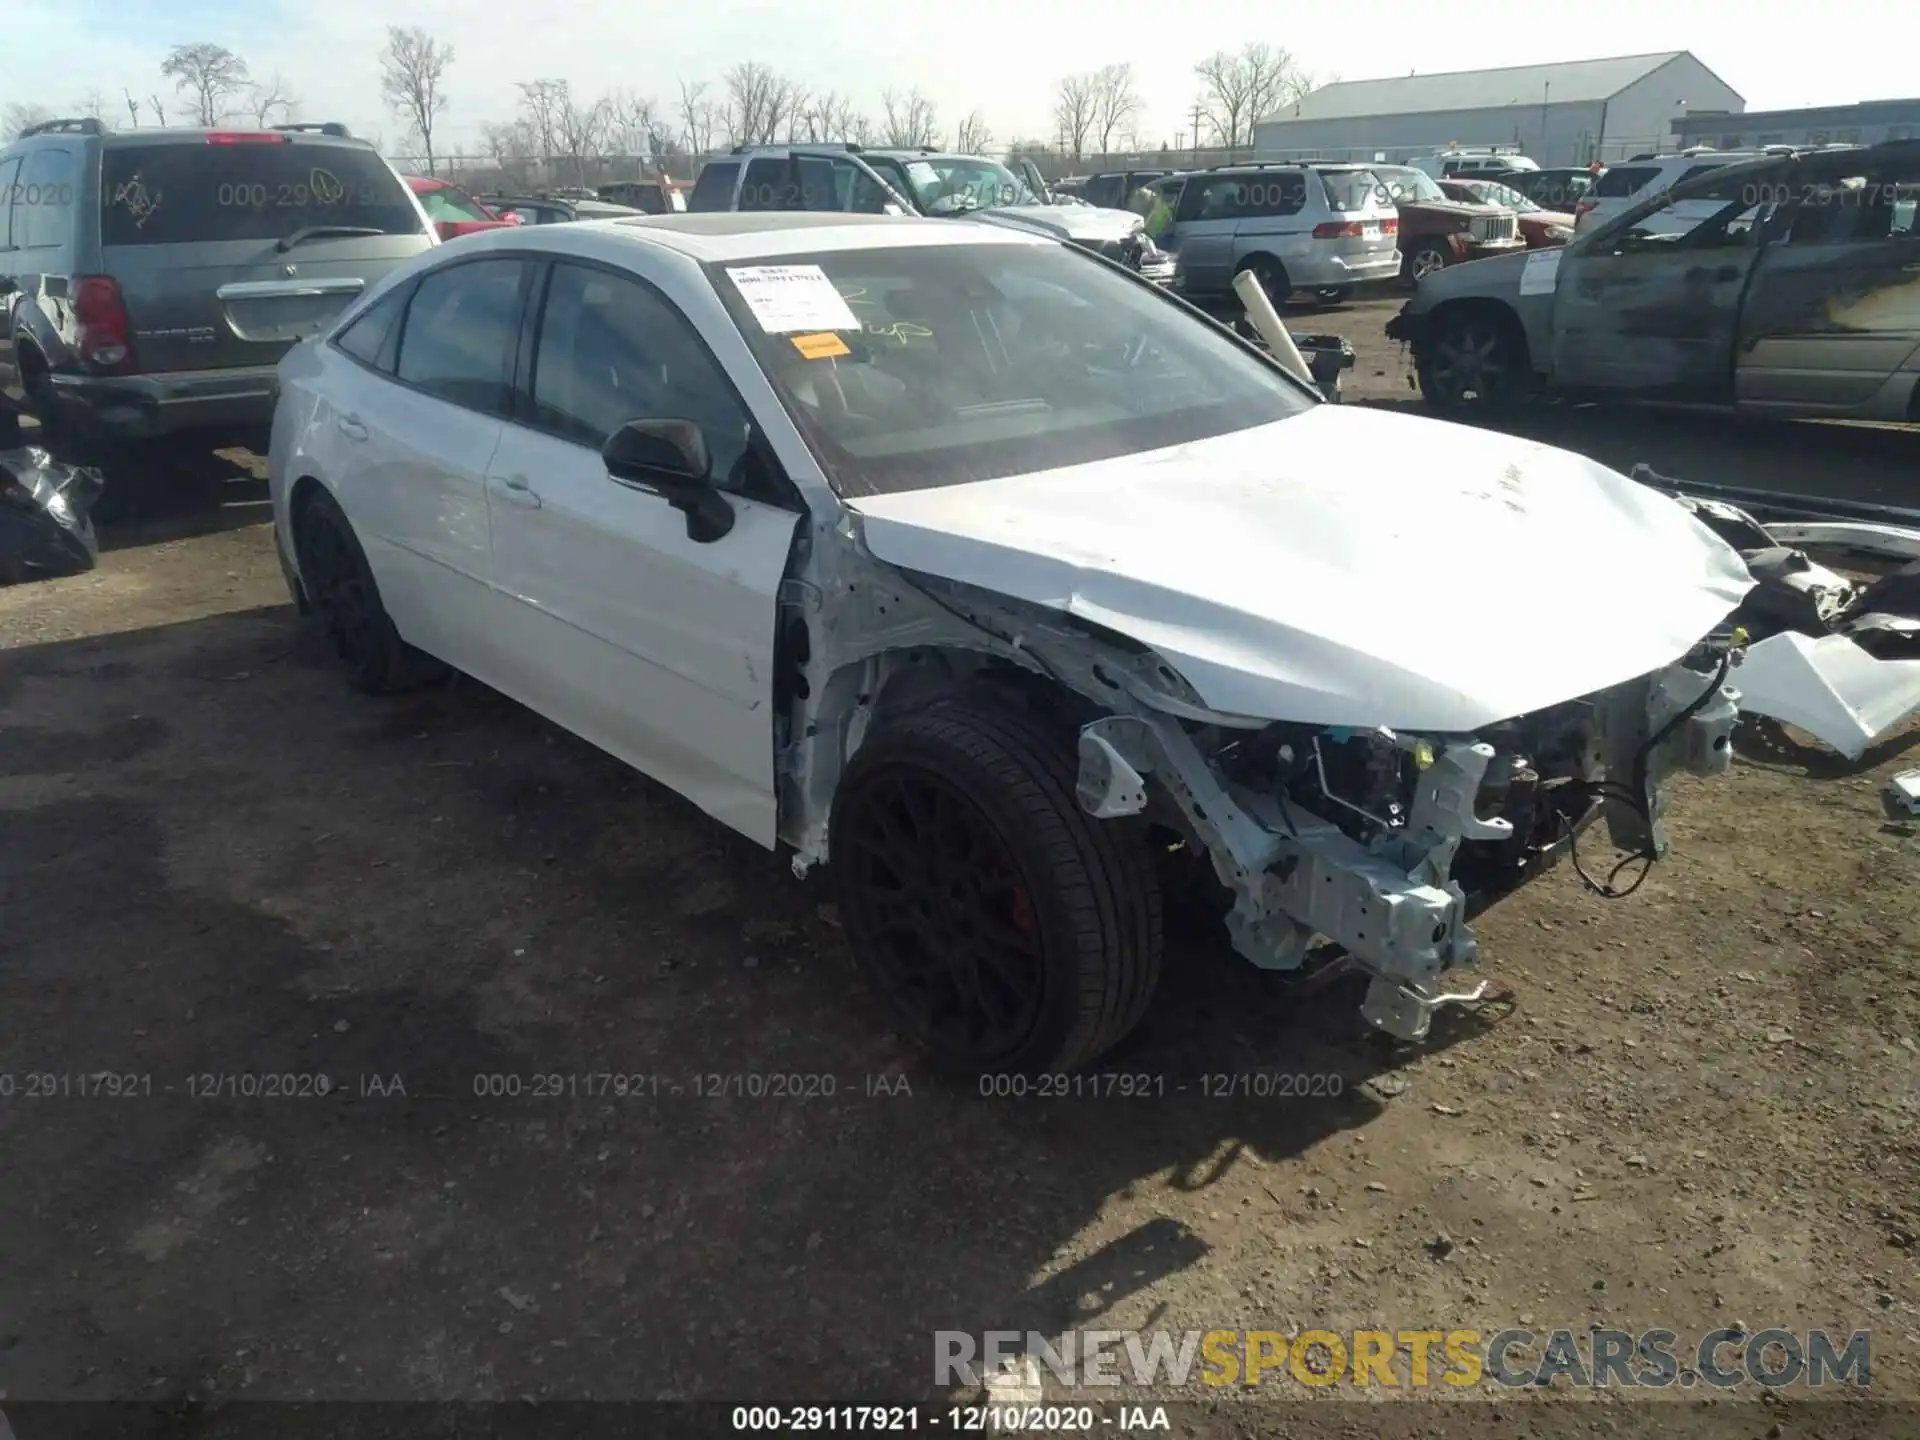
[[1198, 107]]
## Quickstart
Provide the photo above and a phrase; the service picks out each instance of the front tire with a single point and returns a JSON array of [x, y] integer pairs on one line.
[[1426, 258], [346, 604], [1006, 929], [1472, 358]]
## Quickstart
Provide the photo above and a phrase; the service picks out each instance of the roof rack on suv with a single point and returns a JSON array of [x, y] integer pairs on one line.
[[850, 146], [83, 125], [317, 127]]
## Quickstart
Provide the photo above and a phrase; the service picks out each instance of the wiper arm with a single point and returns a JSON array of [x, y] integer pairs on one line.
[[315, 232]]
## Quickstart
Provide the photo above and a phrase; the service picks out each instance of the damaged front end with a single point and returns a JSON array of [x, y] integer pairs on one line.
[[1386, 844]]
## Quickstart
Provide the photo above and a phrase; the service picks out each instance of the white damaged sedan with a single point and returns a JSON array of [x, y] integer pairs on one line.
[[980, 568]]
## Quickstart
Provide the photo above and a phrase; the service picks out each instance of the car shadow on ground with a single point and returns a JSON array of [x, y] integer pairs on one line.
[[217, 862]]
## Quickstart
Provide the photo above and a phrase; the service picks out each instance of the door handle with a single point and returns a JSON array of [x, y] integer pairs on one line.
[[517, 490], [350, 426]]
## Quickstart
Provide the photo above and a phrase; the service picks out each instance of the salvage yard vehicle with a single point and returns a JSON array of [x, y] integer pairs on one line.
[[854, 179], [1437, 231], [1797, 295], [452, 210], [988, 573], [154, 278], [548, 210], [1320, 228], [1557, 188], [1626, 185], [1539, 226]]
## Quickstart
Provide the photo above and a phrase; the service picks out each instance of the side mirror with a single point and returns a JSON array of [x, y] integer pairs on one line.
[[670, 457]]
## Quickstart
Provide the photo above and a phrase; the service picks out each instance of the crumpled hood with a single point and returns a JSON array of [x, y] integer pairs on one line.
[[1064, 222], [1344, 567]]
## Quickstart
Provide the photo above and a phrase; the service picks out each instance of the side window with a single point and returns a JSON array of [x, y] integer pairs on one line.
[[461, 327], [43, 201], [1215, 198], [366, 339], [1623, 180], [713, 190], [1104, 191], [612, 350], [9, 174], [840, 185], [1856, 209], [769, 186], [1271, 195]]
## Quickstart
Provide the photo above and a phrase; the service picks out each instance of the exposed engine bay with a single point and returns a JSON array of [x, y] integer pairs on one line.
[[1387, 844]]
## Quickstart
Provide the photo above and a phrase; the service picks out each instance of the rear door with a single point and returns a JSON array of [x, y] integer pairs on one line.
[[1273, 216], [222, 247], [1640, 308], [412, 420], [1834, 312]]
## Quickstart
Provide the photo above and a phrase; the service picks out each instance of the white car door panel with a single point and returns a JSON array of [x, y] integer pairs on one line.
[[412, 475], [651, 645], [412, 451]]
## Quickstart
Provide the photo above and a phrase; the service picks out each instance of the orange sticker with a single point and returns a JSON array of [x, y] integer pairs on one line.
[[820, 347]]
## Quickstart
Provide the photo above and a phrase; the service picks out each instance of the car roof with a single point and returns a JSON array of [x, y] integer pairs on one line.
[[762, 234]]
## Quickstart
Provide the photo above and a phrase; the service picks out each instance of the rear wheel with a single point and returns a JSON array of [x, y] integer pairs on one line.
[[1472, 356], [346, 603], [1272, 276], [1006, 928]]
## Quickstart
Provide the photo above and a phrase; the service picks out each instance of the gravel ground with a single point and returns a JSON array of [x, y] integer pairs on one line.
[[1692, 1108]]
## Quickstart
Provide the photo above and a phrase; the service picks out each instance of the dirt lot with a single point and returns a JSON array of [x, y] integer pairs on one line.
[[1692, 1108]]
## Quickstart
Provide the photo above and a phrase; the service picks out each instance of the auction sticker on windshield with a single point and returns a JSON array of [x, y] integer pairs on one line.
[[788, 298]]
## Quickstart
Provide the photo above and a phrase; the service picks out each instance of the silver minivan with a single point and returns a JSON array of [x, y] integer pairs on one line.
[[1320, 228]]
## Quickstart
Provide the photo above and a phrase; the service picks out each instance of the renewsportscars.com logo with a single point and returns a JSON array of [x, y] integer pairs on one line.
[[1405, 1359]]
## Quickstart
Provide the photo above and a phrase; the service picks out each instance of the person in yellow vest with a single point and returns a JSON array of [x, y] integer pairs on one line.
[[1160, 217]]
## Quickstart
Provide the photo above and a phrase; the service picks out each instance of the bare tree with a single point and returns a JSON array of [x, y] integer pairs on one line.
[[1116, 103], [1074, 106], [272, 97], [541, 102], [1238, 90], [133, 108], [824, 116], [208, 75], [860, 129], [758, 103], [699, 115], [411, 70], [159, 109], [580, 129], [635, 125], [94, 104], [907, 119], [19, 114], [973, 137]]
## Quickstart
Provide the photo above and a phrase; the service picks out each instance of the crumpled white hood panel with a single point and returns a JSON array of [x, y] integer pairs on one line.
[[1345, 567], [1072, 222]]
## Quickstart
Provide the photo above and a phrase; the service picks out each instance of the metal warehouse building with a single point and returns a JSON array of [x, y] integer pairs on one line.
[[1563, 114], [1867, 123]]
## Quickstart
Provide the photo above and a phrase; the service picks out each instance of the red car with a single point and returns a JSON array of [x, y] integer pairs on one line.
[[1542, 227], [453, 212]]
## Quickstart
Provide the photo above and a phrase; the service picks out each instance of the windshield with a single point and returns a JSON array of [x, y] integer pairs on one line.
[[446, 203], [168, 194], [909, 368], [948, 186], [1406, 183], [1491, 192]]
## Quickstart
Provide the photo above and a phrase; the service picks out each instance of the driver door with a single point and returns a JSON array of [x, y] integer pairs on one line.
[[1646, 309], [655, 647]]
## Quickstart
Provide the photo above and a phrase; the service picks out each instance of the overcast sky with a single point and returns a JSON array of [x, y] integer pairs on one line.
[[1000, 56]]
